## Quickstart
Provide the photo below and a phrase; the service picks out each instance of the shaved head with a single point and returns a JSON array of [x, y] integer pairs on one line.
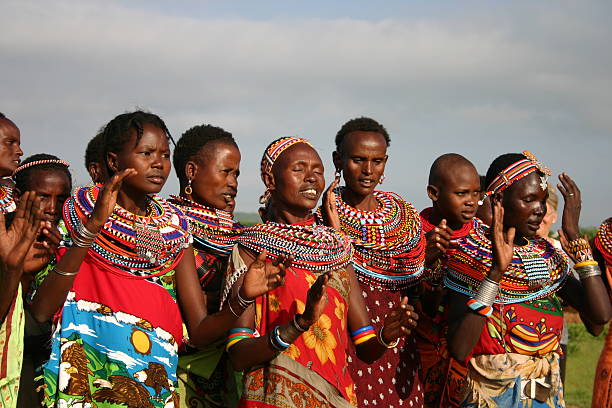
[[446, 165]]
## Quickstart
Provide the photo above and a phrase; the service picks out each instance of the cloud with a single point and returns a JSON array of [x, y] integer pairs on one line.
[[480, 81]]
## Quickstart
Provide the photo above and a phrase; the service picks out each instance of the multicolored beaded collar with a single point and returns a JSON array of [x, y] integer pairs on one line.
[[7, 202], [389, 243], [603, 241], [537, 269], [137, 244], [313, 247], [213, 230], [428, 226], [515, 172]]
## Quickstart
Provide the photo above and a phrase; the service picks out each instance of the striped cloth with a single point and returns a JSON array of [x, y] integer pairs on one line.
[[11, 352]]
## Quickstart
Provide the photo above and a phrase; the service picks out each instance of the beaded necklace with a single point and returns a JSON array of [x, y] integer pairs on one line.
[[213, 230], [389, 243], [7, 202], [603, 240], [136, 244], [537, 269], [458, 233], [314, 247]]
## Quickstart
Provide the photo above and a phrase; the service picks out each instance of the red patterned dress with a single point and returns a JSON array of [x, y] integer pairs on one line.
[[388, 259]]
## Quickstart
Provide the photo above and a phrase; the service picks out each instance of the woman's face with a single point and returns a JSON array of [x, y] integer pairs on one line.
[[215, 175], [10, 150], [362, 159], [298, 178], [53, 187], [525, 205], [150, 157]]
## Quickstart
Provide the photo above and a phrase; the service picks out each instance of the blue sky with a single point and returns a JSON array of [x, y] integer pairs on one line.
[[480, 78]]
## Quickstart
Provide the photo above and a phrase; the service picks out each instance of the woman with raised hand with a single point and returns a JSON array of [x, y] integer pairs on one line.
[[293, 344], [389, 256], [120, 292], [207, 162], [505, 282]]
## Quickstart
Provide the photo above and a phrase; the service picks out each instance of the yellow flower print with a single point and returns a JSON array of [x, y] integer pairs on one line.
[[293, 351], [350, 393], [310, 279], [299, 306], [339, 312], [321, 339], [274, 303]]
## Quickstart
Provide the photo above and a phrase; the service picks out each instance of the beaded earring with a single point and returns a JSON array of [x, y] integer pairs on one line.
[[382, 178], [263, 199], [338, 173], [188, 190]]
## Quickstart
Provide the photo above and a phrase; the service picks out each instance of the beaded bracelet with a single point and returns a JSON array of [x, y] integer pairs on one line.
[[237, 335], [580, 250], [65, 273], [276, 341], [363, 334], [480, 308], [382, 341]]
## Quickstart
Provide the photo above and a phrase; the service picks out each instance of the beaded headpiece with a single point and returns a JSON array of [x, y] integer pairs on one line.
[[603, 241], [515, 172], [274, 150], [40, 162]]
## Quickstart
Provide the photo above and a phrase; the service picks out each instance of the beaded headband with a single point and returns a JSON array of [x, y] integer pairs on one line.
[[275, 149], [40, 162], [515, 172], [603, 241]]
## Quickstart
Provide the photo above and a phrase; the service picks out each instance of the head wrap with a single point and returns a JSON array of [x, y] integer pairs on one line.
[[40, 162], [515, 172], [275, 149]]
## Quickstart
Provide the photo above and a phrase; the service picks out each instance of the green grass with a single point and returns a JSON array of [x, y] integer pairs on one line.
[[582, 355]]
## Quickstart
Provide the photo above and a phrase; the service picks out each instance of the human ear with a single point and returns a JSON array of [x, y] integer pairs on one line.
[[337, 159], [111, 162], [268, 179], [191, 169], [433, 192]]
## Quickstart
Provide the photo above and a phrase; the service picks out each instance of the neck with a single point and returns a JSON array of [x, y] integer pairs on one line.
[[286, 215], [134, 202], [361, 202]]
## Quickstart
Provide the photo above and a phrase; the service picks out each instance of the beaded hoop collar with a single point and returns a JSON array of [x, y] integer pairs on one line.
[[515, 172], [389, 243], [537, 269], [7, 202], [213, 230], [603, 240], [118, 243]]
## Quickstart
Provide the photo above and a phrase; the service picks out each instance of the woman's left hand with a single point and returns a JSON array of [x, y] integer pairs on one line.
[[571, 208], [400, 322]]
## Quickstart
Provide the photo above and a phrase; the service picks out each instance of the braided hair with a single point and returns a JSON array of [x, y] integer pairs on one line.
[[361, 124], [23, 178], [94, 153], [117, 132], [192, 141]]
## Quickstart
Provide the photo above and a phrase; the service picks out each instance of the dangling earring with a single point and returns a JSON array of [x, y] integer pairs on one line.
[[382, 178], [188, 190], [265, 197], [338, 173]]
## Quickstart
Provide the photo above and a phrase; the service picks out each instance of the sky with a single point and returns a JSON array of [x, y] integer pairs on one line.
[[479, 78]]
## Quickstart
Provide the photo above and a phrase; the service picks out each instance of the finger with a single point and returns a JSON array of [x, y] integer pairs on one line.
[[562, 189], [511, 234], [572, 185], [261, 257], [442, 224], [288, 261], [404, 302]]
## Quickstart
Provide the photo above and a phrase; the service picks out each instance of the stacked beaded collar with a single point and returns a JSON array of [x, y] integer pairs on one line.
[[166, 233], [389, 243], [516, 171], [313, 247], [7, 202], [428, 226], [537, 269], [213, 230], [603, 241]]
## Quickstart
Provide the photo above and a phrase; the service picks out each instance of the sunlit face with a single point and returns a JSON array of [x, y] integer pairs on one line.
[[53, 188], [525, 205], [457, 195], [298, 178], [10, 147], [362, 159], [150, 157], [215, 175]]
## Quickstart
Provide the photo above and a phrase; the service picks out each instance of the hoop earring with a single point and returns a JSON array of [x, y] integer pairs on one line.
[[382, 178], [265, 197], [338, 173], [188, 190]]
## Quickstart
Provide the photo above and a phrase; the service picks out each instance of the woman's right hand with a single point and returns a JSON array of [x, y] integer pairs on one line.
[[329, 211], [438, 240], [502, 243], [316, 299], [262, 276], [107, 199]]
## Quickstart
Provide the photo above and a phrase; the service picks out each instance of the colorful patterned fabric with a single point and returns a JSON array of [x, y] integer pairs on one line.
[[7, 202], [537, 269], [514, 381], [117, 336], [275, 149], [389, 243], [11, 352], [322, 349], [603, 240], [205, 376]]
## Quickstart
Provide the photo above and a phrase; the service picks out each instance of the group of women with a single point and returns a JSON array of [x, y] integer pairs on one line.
[[159, 302]]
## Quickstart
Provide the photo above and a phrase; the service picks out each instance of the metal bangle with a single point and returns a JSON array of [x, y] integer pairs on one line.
[[243, 302], [65, 273], [381, 341], [487, 291], [86, 233], [297, 325], [588, 271], [229, 304]]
